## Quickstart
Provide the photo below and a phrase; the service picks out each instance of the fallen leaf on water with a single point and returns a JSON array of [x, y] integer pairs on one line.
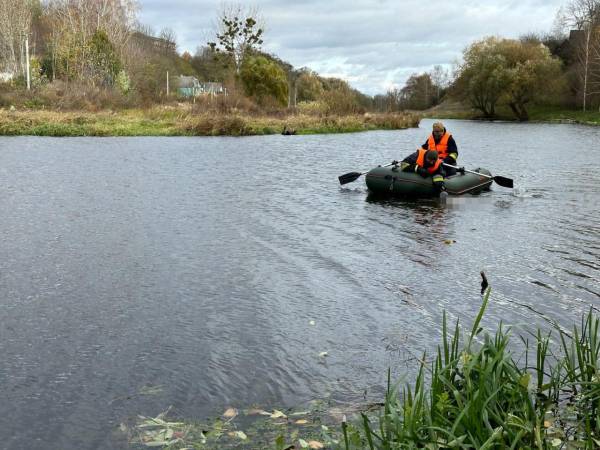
[[323, 354], [278, 414], [301, 422], [230, 413], [315, 445], [547, 424], [300, 413], [449, 241], [254, 412], [238, 434]]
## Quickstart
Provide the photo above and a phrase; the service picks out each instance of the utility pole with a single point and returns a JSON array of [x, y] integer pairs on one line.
[[27, 62]]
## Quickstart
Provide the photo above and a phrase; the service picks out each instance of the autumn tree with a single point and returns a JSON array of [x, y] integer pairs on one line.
[[506, 71], [72, 25], [309, 86], [264, 79], [532, 73], [481, 79], [419, 92]]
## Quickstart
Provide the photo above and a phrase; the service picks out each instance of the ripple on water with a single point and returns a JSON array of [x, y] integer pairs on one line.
[[129, 263]]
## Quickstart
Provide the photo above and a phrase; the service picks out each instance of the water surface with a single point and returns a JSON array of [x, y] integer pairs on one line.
[[197, 265]]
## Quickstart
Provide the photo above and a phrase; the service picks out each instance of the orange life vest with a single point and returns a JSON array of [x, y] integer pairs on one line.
[[441, 147], [421, 162]]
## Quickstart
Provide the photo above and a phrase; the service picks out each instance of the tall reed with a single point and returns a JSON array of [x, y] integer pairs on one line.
[[475, 395]]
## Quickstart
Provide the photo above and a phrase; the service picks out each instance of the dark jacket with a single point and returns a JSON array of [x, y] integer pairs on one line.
[[410, 162]]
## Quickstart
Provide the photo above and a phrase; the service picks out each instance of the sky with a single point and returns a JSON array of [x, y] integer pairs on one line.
[[375, 45]]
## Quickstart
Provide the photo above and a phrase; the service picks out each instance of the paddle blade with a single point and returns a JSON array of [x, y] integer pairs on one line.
[[349, 177], [505, 182]]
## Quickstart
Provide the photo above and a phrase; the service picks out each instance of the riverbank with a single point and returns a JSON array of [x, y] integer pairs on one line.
[[477, 392], [178, 122], [537, 114]]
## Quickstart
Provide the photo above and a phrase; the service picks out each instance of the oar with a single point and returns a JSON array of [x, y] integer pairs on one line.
[[352, 176], [502, 181]]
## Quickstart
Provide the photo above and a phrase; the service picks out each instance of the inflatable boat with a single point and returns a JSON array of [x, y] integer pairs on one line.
[[390, 180]]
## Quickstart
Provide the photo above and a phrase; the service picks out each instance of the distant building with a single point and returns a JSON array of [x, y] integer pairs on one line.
[[156, 44], [188, 86]]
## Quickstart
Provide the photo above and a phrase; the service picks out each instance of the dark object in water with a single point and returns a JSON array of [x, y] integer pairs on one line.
[[484, 282]]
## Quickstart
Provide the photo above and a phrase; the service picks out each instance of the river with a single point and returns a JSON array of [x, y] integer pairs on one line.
[[216, 270]]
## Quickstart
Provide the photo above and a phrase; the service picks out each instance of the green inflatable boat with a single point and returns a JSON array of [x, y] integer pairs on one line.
[[390, 180]]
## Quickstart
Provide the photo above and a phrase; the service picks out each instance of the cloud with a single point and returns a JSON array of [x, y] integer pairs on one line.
[[374, 44]]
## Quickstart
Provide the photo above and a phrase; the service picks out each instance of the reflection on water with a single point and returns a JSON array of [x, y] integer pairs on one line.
[[201, 264]]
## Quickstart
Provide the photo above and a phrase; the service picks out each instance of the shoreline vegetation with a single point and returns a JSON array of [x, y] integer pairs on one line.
[[537, 114], [181, 121], [481, 389]]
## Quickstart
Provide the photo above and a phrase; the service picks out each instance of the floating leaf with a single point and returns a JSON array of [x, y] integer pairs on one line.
[[323, 354], [449, 241], [301, 422], [156, 444], [254, 412], [315, 445], [151, 390], [240, 435], [230, 413], [278, 414]]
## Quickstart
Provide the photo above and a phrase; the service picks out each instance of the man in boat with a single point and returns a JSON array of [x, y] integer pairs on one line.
[[444, 143], [426, 163]]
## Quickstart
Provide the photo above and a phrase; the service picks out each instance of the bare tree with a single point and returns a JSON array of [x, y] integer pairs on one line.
[[74, 22], [441, 79], [15, 24], [584, 16], [238, 31]]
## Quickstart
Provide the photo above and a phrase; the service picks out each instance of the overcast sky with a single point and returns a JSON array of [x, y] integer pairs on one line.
[[373, 44]]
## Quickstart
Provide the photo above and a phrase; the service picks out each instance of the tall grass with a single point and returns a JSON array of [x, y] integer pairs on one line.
[[475, 395]]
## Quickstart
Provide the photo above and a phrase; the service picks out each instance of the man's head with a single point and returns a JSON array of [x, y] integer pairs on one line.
[[431, 157], [438, 129]]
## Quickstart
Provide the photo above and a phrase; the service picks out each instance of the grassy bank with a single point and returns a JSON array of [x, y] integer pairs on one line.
[[476, 393], [543, 114], [179, 122]]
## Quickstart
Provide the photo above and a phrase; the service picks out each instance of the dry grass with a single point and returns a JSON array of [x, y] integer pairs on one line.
[[179, 120]]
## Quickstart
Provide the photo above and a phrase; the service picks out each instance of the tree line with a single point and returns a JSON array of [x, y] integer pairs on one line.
[[559, 68], [99, 50]]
